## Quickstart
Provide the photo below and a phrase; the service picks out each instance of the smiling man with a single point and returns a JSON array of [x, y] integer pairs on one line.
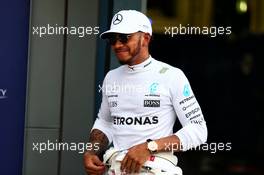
[[140, 120]]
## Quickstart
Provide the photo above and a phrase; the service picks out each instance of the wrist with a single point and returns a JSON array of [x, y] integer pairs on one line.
[[90, 152], [152, 146]]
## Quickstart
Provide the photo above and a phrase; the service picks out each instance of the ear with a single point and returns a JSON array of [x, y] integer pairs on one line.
[[146, 39]]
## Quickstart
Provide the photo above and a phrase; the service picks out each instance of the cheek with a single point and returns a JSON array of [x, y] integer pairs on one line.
[[144, 43], [136, 46]]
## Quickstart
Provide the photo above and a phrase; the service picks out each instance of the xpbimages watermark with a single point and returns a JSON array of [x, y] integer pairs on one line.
[[128, 88], [80, 31], [212, 31], [211, 147], [80, 147]]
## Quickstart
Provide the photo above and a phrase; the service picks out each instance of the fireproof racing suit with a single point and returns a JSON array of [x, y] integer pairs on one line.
[[143, 101]]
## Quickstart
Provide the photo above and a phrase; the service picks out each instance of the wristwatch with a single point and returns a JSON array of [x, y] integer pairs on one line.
[[152, 146]]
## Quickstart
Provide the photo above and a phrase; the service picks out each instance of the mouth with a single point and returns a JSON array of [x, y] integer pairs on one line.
[[121, 50]]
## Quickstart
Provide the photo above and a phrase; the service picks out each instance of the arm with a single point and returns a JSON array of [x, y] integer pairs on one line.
[[101, 133], [168, 144], [92, 163], [101, 136], [194, 129], [100, 139]]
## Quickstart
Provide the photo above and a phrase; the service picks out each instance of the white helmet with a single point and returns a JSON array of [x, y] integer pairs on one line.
[[158, 164]]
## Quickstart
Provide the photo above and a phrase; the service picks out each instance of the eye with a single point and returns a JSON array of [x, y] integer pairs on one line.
[[124, 38], [112, 39]]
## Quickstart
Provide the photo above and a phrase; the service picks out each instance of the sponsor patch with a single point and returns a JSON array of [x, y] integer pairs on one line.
[[152, 103]]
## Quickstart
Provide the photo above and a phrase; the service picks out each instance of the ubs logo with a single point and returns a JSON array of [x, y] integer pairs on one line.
[[3, 93], [117, 19], [112, 104]]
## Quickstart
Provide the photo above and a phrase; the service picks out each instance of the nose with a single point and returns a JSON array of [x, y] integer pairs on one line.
[[117, 44]]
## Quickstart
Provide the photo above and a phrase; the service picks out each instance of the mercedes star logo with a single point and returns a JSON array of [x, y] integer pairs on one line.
[[117, 19]]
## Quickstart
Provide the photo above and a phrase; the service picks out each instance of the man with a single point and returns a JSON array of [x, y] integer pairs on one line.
[[141, 101]]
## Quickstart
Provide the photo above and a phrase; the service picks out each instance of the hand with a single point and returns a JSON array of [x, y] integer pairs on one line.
[[93, 165], [135, 158]]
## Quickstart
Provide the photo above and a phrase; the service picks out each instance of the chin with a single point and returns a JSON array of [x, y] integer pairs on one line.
[[123, 59]]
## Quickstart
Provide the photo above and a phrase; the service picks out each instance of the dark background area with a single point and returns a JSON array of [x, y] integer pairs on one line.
[[230, 100], [226, 76]]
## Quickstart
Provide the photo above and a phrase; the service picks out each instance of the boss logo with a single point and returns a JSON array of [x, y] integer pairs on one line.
[[151, 103]]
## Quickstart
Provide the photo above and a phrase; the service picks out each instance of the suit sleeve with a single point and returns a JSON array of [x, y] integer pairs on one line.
[[194, 129], [103, 121]]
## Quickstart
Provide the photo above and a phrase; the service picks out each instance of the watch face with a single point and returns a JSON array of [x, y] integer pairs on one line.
[[152, 146]]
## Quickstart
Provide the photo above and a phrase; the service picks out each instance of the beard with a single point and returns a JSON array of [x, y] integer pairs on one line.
[[134, 55]]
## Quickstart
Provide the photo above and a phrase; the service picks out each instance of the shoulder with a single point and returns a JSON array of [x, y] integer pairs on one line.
[[167, 69], [170, 75]]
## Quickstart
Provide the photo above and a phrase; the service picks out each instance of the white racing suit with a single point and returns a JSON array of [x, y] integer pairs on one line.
[[158, 164], [144, 101]]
